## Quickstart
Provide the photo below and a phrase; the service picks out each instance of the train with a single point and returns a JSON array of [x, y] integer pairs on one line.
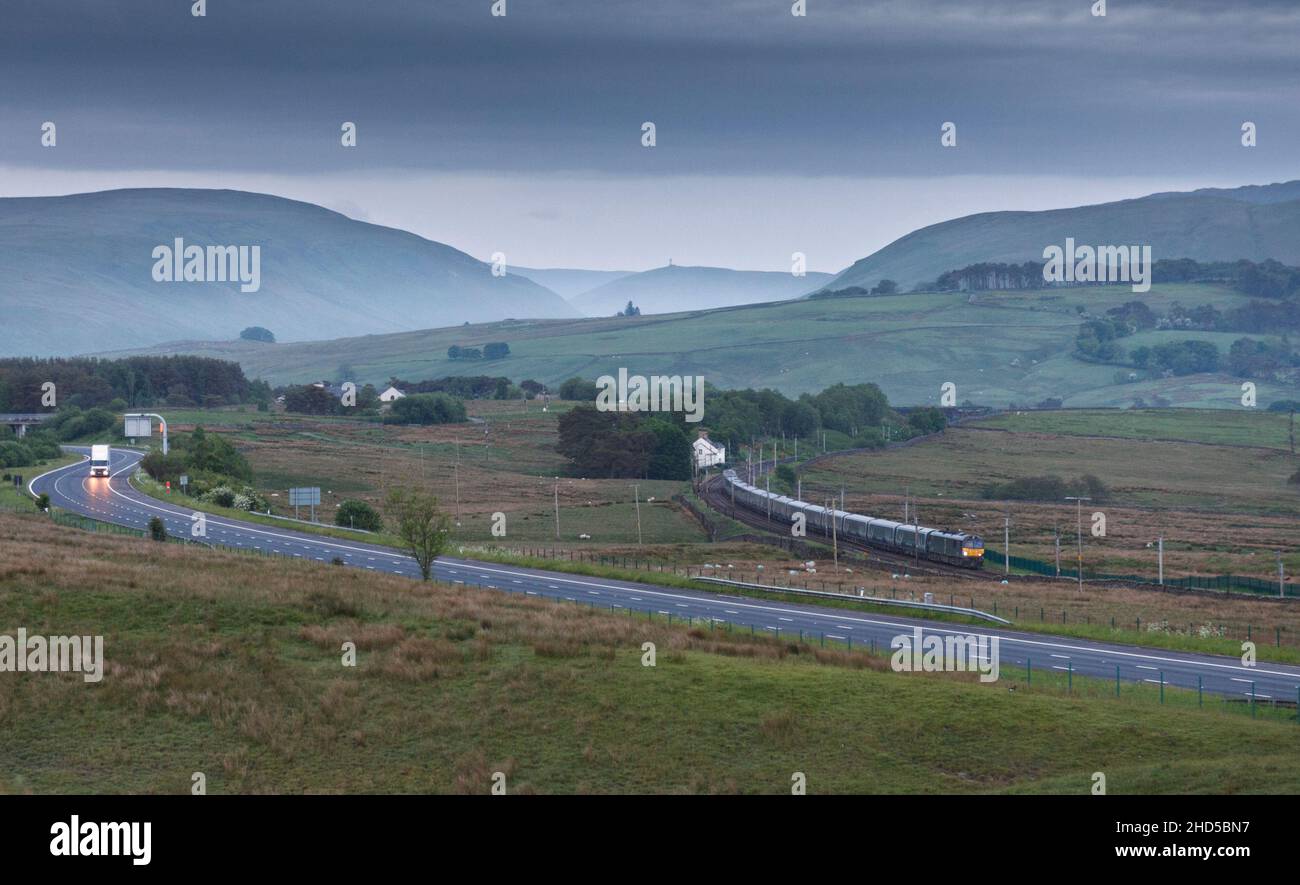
[[961, 549]]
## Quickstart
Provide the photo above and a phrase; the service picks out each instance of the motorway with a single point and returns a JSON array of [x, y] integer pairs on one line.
[[114, 500]]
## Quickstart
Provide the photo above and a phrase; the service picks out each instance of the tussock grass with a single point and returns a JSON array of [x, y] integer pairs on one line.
[[232, 665]]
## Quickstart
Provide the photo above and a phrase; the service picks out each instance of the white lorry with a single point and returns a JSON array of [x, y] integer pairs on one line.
[[99, 460]]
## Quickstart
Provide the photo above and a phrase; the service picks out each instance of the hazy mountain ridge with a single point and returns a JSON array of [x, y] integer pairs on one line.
[[677, 288], [77, 273], [569, 282], [1254, 222]]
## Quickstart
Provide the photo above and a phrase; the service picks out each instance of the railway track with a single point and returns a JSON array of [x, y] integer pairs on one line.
[[713, 494]]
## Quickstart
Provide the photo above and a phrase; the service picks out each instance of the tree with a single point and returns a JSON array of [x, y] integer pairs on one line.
[[421, 525], [578, 389], [671, 457], [630, 311], [928, 420], [358, 515], [310, 400], [257, 333], [427, 408], [157, 530], [886, 287], [496, 350], [786, 479]]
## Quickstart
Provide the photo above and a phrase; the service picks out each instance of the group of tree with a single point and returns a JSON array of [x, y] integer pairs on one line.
[[258, 333], [427, 408], [630, 311], [308, 399], [138, 381], [495, 350], [1265, 279], [992, 276], [884, 287], [1188, 357], [358, 515], [620, 444], [472, 386], [218, 472], [35, 447], [632, 445]]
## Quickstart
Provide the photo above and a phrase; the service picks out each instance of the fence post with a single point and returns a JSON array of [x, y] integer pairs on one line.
[[1162, 686], [1200, 699], [1117, 680], [1069, 677], [1029, 671]]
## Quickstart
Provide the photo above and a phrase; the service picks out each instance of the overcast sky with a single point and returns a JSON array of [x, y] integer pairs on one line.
[[775, 134]]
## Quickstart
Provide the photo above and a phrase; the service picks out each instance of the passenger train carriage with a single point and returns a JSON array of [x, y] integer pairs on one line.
[[955, 548]]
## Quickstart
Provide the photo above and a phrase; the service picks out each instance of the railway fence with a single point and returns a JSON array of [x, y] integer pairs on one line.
[[1226, 584]]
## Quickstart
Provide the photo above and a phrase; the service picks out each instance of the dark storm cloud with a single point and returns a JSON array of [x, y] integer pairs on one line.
[[855, 88]]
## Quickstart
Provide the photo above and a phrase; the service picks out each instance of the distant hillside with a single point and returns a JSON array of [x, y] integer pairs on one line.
[[1255, 222], [76, 273], [674, 288], [997, 348], [569, 283]]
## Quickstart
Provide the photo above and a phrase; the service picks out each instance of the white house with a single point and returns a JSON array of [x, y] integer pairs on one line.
[[390, 395], [707, 454]]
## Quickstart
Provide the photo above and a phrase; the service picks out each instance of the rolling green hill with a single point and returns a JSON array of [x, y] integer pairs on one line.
[[997, 348], [1209, 225], [76, 273]]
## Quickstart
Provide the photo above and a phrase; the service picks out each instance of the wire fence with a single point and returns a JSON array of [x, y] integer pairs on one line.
[[1243, 584], [1055, 678]]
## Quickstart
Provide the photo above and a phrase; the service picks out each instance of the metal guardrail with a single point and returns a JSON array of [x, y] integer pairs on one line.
[[875, 600]]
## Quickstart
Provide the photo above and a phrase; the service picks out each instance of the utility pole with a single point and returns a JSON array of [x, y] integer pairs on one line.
[[1058, 551], [835, 543], [1079, 509], [456, 471], [636, 492], [1160, 548], [767, 487], [1281, 574], [916, 535], [798, 493], [1006, 545], [557, 508]]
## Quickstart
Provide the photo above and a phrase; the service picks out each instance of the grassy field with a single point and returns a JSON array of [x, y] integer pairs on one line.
[[1225, 427], [996, 347], [1221, 507], [230, 665], [506, 464]]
